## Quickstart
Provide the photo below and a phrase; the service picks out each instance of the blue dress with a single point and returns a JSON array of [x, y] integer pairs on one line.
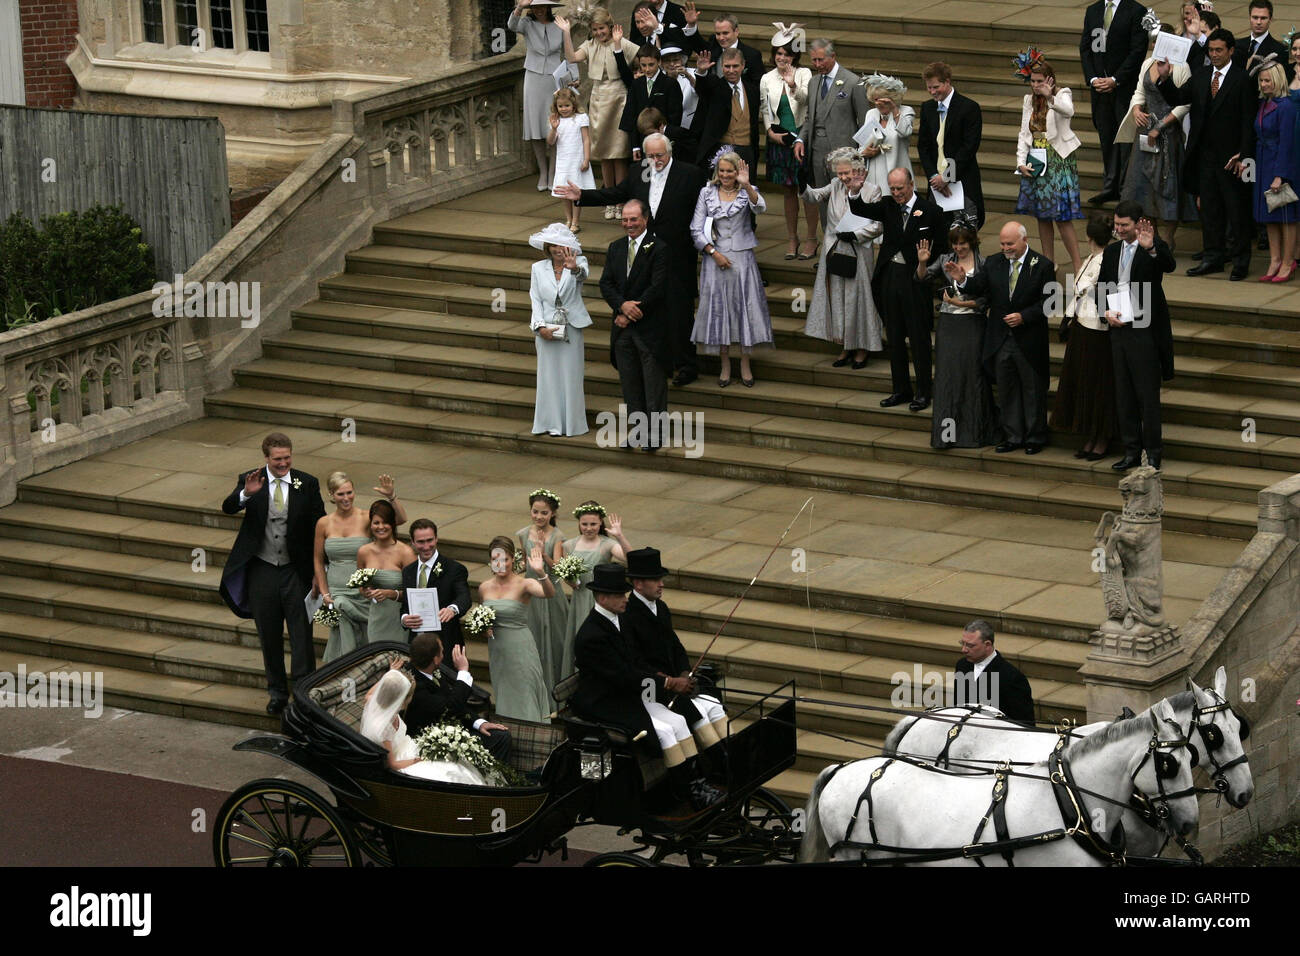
[[1275, 155]]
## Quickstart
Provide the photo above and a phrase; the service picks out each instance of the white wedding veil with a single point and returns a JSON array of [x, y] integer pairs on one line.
[[383, 704]]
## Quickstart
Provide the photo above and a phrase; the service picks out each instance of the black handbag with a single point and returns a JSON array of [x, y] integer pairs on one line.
[[844, 265]]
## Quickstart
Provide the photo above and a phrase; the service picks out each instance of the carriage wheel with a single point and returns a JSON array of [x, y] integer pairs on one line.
[[619, 859], [279, 823], [764, 810]]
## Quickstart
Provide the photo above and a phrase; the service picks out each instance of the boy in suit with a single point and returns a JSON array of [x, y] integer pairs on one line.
[[653, 87], [951, 128]]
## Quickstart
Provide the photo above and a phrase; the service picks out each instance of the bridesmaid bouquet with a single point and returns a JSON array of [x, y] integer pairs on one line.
[[327, 615], [570, 569], [455, 744], [361, 577], [480, 618]]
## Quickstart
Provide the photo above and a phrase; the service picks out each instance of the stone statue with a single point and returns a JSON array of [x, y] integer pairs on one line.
[[1132, 580]]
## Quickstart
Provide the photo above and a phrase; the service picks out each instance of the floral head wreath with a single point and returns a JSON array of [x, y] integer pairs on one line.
[[545, 493], [591, 509], [1025, 60]]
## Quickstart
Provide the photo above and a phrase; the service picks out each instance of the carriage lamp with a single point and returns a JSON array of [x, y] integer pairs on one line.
[[593, 759]]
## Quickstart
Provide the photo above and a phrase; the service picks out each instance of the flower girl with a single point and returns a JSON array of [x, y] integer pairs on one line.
[[571, 135]]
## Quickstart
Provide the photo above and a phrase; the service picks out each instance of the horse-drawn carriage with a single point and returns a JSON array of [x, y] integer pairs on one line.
[[576, 773]]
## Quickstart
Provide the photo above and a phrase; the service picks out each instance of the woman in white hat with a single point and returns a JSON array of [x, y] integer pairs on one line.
[[783, 93], [559, 316], [887, 148], [545, 54]]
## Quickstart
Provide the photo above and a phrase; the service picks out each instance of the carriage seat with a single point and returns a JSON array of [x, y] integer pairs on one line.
[[649, 757], [344, 696]]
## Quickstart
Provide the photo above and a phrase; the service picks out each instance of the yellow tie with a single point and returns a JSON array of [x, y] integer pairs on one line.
[[938, 140], [631, 255], [1110, 12], [279, 494], [424, 575], [1015, 274]]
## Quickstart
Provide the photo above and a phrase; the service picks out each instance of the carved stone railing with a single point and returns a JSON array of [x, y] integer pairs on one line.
[[103, 377]]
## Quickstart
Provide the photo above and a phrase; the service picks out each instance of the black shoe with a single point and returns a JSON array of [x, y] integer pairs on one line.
[[1094, 456], [1081, 453], [1007, 446], [1154, 461], [723, 382], [1238, 273], [1103, 197], [747, 382], [862, 364], [1205, 268], [841, 362], [703, 795], [684, 378], [920, 403], [1198, 256], [1033, 448], [898, 398], [276, 707], [1127, 462]]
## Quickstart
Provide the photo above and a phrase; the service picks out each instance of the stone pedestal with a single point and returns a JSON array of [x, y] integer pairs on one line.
[[1133, 667]]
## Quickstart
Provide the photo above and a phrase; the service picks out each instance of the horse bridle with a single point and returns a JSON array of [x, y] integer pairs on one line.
[[1166, 765], [1212, 736]]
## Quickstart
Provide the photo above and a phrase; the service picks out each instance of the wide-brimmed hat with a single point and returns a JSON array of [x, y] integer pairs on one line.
[[644, 563], [556, 234], [609, 579]]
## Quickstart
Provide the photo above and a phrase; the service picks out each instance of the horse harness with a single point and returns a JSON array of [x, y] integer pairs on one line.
[[1212, 736]]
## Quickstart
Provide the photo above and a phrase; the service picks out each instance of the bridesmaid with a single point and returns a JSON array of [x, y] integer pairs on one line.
[[518, 685], [546, 619], [388, 556], [595, 544], [338, 538]]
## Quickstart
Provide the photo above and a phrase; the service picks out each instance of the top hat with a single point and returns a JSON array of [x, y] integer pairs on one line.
[[644, 563], [608, 579]]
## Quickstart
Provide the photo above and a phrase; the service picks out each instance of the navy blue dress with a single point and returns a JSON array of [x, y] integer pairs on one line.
[[1275, 155]]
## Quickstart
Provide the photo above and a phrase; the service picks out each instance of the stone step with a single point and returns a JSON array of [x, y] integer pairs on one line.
[[887, 477], [786, 416]]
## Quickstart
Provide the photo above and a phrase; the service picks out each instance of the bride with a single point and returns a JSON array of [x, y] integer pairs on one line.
[[380, 722]]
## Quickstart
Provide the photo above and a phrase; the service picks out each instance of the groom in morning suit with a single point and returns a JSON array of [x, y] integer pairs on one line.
[[1016, 282], [439, 699], [633, 283], [271, 566], [433, 570]]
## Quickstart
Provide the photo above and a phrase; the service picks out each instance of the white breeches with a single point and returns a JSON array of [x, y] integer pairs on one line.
[[669, 727]]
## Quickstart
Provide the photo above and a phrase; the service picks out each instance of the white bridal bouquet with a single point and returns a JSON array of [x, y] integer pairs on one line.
[[479, 619], [327, 615], [361, 577], [570, 568], [456, 744]]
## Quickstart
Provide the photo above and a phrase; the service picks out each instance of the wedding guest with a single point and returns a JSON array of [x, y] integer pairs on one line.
[[533, 18], [649, 86], [559, 316], [733, 306], [726, 36], [1085, 395], [728, 121], [783, 96], [903, 297], [843, 309], [571, 137], [837, 107], [270, 568], [1276, 166], [338, 538], [388, 556], [437, 701], [595, 544], [518, 683], [1156, 130], [963, 415], [684, 140], [1051, 193], [610, 146], [951, 128], [888, 150], [1111, 48], [658, 23], [546, 619], [1259, 42], [441, 572], [1223, 134], [1017, 283], [1143, 350]]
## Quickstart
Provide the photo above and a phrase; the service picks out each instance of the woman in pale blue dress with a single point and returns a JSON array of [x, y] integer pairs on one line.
[[338, 538], [559, 316], [595, 544], [519, 689], [388, 556], [546, 619]]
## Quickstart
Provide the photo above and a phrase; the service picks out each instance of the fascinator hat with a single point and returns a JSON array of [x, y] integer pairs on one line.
[[786, 35], [889, 85], [1025, 60], [1151, 23], [1257, 63], [556, 234]]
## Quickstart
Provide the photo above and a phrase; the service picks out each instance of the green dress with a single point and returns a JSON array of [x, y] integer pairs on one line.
[[341, 562], [385, 617], [581, 601], [547, 617], [518, 687]]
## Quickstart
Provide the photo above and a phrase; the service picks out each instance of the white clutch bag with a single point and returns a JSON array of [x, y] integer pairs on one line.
[[1283, 197]]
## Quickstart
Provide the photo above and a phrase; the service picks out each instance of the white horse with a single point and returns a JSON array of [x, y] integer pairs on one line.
[[974, 738], [1065, 810]]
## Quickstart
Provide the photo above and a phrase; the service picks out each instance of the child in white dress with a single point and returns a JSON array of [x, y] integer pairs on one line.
[[571, 135]]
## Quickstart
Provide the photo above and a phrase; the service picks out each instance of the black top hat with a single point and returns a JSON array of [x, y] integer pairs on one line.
[[609, 579], [644, 563]]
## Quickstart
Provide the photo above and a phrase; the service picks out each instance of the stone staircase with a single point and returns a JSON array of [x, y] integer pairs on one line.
[[422, 343]]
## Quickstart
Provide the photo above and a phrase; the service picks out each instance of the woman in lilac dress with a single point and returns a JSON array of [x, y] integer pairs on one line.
[[733, 305]]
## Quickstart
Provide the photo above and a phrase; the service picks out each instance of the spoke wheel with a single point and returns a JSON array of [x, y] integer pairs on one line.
[[279, 823], [764, 810], [619, 859]]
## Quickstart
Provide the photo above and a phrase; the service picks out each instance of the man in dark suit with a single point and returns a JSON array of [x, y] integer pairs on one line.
[[985, 677], [1143, 349], [728, 111], [271, 565], [904, 298], [951, 129], [437, 699], [653, 87], [613, 686], [726, 36], [668, 189], [634, 283], [1112, 47], [1261, 42], [433, 570], [1223, 100], [658, 23], [837, 108], [1017, 283], [649, 623]]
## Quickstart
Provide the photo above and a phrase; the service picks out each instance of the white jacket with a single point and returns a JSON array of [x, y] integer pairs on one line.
[[543, 291], [1128, 130], [1059, 135], [769, 93]]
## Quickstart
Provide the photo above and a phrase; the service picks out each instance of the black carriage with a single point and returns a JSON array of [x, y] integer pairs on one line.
[[575, 772]]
